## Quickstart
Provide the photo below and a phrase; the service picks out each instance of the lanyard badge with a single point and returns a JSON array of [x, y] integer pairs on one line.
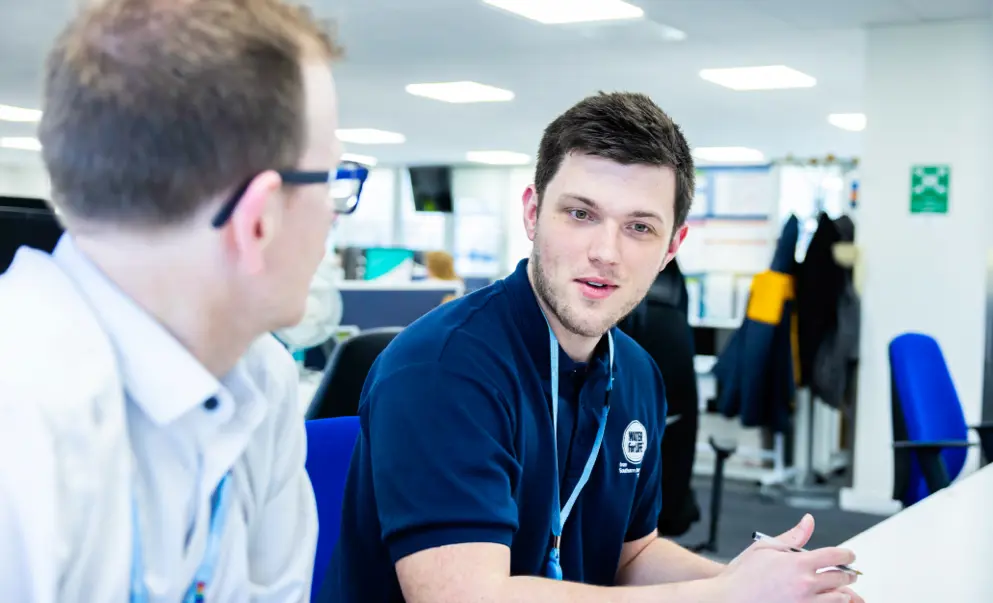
[[553, 567], [197, 591]]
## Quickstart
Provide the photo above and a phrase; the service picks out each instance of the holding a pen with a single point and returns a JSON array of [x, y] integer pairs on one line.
[[782, 572], [760, 537]]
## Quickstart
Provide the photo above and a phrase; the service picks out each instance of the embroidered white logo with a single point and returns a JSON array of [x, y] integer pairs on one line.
[[633, 445]]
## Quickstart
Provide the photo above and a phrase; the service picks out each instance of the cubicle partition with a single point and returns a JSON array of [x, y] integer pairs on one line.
[[371, 305]]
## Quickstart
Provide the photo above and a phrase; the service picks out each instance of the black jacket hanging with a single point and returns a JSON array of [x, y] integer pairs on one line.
[[820, 282]]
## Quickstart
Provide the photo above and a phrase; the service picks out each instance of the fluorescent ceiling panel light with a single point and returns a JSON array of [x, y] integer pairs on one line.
[[366, 160], [460, 92], [22, 143], [20, 114], [728, 155], [556, 12], [370, 136], [672, 34], [772, 77], [853, 122], [498, 157]]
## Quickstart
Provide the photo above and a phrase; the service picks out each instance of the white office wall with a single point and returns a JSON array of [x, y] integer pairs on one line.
[[928, 101]]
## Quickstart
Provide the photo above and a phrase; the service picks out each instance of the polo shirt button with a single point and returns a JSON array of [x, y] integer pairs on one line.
[[211, 403]]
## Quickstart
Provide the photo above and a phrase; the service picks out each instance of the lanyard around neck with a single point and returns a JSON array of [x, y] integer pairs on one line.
[[561, 514], [204, 573]]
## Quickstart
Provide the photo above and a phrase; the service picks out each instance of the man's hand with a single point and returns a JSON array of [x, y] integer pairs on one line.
[[764, 573]]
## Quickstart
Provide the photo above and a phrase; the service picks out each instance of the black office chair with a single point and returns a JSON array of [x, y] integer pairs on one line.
[[723, 449], [344, 376], [660, 325], [28, 222]]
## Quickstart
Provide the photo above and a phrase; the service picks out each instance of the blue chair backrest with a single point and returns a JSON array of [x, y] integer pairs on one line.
[[926, 406], [329, 452]]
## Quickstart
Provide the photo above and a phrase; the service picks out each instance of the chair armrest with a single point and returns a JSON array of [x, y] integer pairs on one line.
[[932, 445], [985, 432], [929, 458]]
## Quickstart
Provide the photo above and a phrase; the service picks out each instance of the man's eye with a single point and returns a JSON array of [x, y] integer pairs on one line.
[[580, 214], [642, 228]]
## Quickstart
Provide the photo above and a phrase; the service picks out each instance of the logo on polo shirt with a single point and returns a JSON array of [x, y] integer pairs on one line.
[[634, 442]]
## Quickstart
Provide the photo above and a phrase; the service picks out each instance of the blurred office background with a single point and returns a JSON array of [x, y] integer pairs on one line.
[[827, 112]]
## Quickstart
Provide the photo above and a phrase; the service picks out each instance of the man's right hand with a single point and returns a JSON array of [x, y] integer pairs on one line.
[[764, 573]]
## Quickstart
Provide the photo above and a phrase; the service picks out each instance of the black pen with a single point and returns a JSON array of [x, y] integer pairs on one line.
[[760, 537]]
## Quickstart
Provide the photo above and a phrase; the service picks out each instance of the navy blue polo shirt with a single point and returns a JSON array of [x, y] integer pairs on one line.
[[456, 447]]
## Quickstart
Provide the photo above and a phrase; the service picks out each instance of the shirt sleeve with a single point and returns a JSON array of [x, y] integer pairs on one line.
[[648, 497], [283, 531], [28, 539], [443, 462]]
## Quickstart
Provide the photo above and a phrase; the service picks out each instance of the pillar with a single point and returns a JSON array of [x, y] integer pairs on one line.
[[929, 101]]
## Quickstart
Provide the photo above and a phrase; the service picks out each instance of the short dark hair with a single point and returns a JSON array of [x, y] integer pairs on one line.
[[154, 107], [625, 127]]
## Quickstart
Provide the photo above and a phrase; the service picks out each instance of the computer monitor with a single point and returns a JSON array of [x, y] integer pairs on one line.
[[432, 188], [26, 221]]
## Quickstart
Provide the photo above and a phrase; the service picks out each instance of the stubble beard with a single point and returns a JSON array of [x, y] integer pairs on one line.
[[561, 309]]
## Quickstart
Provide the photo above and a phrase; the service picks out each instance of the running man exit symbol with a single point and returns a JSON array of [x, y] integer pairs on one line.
[[929, 186]]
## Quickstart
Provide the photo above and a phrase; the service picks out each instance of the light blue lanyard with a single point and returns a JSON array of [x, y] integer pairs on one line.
[[559, 516], [204, 573]]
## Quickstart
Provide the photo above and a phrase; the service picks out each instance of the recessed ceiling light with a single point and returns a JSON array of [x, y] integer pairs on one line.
[[728, 154], [23, 143], [853, 122], [498, 157], [461, 92], [366, 160], [9, 113], [555, 12], [370, 136], [671, 34], [772, 77]]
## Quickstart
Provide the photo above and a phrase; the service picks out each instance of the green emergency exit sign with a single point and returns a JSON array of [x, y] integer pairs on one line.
[[929, 189]]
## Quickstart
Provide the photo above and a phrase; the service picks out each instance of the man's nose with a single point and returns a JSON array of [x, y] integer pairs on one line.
[[605, 245]]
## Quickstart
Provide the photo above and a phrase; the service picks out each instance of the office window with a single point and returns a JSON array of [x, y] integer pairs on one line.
[[518, 245], [480, 196], [421, 231], [372, 223]]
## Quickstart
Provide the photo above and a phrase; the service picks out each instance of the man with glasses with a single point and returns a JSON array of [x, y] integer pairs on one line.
[[151, 446]]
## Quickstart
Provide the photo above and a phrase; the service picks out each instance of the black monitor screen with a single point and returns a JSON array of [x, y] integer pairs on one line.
[[432, 188], [26, 221]]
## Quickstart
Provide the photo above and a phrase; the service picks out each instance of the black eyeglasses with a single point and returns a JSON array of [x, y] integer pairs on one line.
[[344, 191]]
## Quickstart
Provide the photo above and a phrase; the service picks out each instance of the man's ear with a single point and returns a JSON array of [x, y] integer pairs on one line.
[[256, 220], [677, 239], [529, 202]]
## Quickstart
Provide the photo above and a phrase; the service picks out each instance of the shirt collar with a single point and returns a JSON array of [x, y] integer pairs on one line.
[[534, 328], [157, 371]]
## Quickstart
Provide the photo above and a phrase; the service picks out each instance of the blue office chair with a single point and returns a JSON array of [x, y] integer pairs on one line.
[[329, 451], [930, 435]]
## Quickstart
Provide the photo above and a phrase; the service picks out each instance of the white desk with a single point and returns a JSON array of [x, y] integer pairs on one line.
[[941, 549]]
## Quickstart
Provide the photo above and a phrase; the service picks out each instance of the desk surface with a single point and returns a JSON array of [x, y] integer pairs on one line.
[[941, 549]]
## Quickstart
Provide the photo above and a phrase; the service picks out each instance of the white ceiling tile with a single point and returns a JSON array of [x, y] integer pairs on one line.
[[951, 9], [391, 43], [837, 13]]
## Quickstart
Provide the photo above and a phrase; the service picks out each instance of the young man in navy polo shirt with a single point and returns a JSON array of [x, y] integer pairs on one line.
[[510, 440]]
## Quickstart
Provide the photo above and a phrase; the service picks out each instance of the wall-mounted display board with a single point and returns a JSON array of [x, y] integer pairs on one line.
[[731, 237]]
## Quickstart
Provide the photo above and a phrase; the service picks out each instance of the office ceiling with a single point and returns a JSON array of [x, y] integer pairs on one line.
[[391, 43]]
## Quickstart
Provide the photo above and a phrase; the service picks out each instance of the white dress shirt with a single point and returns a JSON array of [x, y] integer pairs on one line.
[[99, 404]]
